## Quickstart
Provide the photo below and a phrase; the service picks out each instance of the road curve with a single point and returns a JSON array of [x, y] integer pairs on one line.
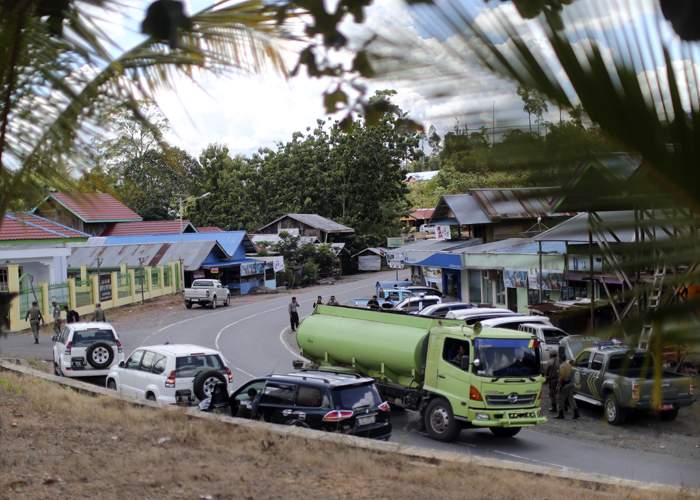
[[251, 337]]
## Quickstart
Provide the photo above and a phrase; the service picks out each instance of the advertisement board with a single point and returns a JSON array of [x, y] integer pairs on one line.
[[442, 232], [395, 260], [551, 280], [105, 287], [515, 278]]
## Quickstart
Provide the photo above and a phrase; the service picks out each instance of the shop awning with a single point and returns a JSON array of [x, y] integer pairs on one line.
[[442, 260]]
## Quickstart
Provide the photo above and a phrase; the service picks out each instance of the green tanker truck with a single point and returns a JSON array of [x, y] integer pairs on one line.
[[456, 376]]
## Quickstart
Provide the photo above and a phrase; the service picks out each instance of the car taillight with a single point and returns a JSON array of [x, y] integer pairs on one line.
[[69, 347], [635, 391], [384, 406], [170, 381], [474, 394], [229, 374], [691, 389], [119, 346], [337, 415]]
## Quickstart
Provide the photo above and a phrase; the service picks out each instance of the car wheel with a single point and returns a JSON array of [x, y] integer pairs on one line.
[[188, 304], [100, 355], [613, 413], [150, 396], [228, 301], [440, 421], [56, 369], [111, 385], [204, 383], [670, 415], [213, 302], [504, 431]]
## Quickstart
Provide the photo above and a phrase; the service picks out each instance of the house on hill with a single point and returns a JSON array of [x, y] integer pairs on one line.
[[90, 213], [150, 227], [311, 225]]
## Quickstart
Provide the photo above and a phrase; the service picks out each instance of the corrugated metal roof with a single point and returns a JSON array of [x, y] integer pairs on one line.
[[148, 227], [519, 246], [316, 221], [95, 207], [230, 241], [192, 253], [422, 213], [465, 207], [575, 230], [26, 226], [514, 203], [375, 250]]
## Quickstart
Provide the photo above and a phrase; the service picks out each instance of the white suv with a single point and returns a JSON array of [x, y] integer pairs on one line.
[[171, 373], [86, 350]]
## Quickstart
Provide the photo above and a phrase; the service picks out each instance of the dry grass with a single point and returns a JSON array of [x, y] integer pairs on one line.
[[59, 443]]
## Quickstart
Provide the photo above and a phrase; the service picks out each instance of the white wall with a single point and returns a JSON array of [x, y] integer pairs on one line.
[[47, 265]]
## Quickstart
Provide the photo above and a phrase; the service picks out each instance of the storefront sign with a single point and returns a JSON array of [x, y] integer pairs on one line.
[[443, 232], [515, 278]]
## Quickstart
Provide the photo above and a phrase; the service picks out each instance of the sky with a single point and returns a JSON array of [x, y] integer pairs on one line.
[[248, 112]]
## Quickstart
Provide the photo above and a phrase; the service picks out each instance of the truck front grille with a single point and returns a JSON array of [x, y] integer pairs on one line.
[[511, 399]]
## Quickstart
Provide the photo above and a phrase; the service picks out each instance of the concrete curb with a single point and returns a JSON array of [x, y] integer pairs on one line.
[[431, 456]]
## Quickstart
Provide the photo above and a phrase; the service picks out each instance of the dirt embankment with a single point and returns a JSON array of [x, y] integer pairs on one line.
[[57, 443]]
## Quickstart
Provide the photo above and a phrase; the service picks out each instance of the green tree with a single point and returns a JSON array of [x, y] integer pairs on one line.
[[534, 104]]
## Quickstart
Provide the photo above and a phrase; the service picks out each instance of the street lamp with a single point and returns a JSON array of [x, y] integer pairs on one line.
[[190, 199]]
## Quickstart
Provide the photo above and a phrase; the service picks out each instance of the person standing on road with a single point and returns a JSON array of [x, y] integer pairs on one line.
[[72, 315], [332, 301], [99, 313], [319, 301], [294, 314], [56, 314], [552, 374], [566, 390], [35, 320]]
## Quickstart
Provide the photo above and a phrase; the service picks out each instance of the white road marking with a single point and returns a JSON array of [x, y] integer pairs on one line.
[[286, 346], [520, 457]]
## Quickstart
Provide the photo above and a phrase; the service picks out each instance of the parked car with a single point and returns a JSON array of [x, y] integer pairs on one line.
[[391, 284], [549, 337], [207, 293], [387, 298], [336, 402], [513, 322], [621, 379], [171, 373], [476, 314], [415, 304], [572, 345], [86, 350], [441, 310], [425, 290]]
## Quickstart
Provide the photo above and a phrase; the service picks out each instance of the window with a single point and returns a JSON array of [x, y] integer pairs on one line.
[[278, 394], [3, 280], [63, 338], [159, 364], [357, 396], [84, 338], [250, 391], [582, 359], [453, 350], [309, 396], [500, 288], [597, 363], [553, 335], [188, 366], [412, 306], [147, 361], [475, 286], [135, 360]]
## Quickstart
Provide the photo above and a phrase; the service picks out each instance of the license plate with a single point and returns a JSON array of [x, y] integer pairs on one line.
[[77, 363], [195, 300], [370, 419], [667, 407]]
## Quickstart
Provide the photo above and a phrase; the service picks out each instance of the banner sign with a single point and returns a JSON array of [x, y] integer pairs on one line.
[[252, 268], [395, 260], [515, 278], [551, 280], [443, 232], [105, 287]]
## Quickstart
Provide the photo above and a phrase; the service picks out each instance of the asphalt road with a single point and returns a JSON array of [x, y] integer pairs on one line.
[[251, 337]]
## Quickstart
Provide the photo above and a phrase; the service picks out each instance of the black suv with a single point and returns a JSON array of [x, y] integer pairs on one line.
[[329, 401]]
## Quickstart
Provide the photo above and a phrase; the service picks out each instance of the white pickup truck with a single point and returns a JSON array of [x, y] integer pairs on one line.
[[207, 292]]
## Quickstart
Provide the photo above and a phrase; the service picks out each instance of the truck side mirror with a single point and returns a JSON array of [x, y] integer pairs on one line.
[[477, 363]]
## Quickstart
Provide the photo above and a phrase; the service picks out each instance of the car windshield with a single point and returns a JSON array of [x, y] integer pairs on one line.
[[201, 284], [507, 357], [87, 337], [189, 366], [357, 396]]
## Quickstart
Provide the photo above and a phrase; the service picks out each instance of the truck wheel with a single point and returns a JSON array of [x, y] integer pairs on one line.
[[670, 415], [504, 431], [613, 413], [188, 304], [440, 421], [213, 302]]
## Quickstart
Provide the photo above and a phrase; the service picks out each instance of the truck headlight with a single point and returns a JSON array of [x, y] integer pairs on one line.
[[482, 416]]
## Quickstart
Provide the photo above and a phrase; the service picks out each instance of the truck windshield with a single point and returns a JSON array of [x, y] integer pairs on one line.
[[507, 357]]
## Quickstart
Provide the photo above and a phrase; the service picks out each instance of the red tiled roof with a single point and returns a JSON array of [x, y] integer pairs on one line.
[[96, 207], [209, 229], [422, 213], [146, 228], [24, 226]]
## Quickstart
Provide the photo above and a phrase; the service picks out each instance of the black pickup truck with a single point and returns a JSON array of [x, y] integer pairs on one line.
[[621, 379]]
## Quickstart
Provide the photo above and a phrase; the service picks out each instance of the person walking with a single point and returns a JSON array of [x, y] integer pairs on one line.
[[72, 315], [552, 375], [56, 314], [99, 313], [566, 390], [294, 314], [332, 301], [35, 320]]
